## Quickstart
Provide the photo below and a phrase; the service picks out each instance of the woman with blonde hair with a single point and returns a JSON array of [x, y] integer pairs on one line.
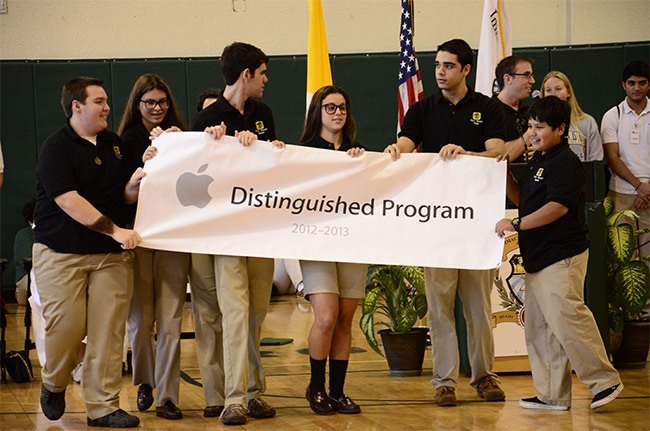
[[160, 277], [584, 136]]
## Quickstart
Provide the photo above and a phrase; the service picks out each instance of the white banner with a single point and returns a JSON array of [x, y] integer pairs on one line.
[[219, 197]]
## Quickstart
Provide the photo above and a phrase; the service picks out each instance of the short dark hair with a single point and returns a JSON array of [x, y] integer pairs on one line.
[[508, 65], [636, 68], [238, 57], [75, 89], [208, 93], [552, 111], [461, 49]]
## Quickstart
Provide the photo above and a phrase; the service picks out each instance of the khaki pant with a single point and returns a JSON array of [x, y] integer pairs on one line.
[[242, 286], [159, 291], [474, 287], [561, 332], [85, 294]]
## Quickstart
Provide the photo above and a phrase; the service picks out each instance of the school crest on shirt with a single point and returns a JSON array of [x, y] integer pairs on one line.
[[539, 175], [117, 152], [476, 118], [260, 128]]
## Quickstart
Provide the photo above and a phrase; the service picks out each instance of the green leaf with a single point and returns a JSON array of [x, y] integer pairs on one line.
[[608, 203], [614, 218], [420, 305], [406, 318], [370, 301], [616, 319], [621, 242], [367, 326], [632, 288]]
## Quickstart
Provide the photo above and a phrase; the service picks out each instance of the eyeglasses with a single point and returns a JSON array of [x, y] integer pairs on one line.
[[151, 104], [330, 108], [526, 75]]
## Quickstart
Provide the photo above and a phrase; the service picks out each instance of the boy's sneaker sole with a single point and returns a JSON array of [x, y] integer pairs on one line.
[[535, 403]]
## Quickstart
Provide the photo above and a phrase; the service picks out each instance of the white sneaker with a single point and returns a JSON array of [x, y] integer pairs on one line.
[[78, 372], [537, 404]]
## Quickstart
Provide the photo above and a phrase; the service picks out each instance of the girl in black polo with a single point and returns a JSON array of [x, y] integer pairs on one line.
[[333, 288]]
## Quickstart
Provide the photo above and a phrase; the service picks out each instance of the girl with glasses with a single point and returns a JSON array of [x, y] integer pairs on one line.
[[333, 288], [160, 277]]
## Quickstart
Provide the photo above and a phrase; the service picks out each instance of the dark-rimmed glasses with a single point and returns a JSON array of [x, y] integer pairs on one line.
[[526, 75], [151, 104], [330, 108]]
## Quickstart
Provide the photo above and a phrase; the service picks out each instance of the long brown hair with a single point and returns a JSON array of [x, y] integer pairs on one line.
[[314, 121], [133, 117]]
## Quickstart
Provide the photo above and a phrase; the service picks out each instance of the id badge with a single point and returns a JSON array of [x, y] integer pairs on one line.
[[635, 136]]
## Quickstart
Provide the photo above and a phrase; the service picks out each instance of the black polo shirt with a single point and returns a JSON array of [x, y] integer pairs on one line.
[[326, 145], [435, 122], [135, 141], [555, 176], [98, 173], [516, 124], [257, 118]]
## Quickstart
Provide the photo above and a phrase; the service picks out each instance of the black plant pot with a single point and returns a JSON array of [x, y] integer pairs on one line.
[[634, 347], [405, 352]]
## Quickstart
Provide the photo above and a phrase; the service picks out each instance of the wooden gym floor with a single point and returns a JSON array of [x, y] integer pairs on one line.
[[388, 403]]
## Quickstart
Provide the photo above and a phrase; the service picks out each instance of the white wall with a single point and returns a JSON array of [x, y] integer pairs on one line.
[[87, 29]]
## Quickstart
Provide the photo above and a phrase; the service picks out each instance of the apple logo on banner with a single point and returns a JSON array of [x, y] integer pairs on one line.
[[192, 190]]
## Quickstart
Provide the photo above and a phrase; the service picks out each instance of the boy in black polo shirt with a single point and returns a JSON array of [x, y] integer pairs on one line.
[[234, 291], [560, 330]]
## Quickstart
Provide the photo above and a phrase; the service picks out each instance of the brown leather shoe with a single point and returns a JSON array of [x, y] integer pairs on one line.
[[260, 409], [169, 411], [488, 389], [445, 396], [319, 402], [234, 414]]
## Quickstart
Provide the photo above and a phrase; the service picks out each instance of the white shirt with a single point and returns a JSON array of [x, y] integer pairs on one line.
[[632, 133]]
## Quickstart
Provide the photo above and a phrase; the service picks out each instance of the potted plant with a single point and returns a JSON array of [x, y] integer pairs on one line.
[[629, 285], [396, 293]]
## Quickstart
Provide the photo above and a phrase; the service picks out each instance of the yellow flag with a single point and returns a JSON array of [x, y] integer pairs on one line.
[[319, 73]]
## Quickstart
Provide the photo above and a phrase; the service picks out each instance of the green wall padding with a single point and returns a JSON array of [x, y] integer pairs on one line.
[[30, 92]]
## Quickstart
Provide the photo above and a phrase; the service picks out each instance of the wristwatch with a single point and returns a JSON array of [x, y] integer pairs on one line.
[[515, 223]]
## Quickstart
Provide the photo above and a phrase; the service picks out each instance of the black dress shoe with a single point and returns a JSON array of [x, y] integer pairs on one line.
[[318, 401], [169, 411], [145, 397], [52, 403], [212, 411], [117, 419], [344, 404]]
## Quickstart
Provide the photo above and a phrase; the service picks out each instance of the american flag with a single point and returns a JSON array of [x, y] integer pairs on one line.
[[410, 89]]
